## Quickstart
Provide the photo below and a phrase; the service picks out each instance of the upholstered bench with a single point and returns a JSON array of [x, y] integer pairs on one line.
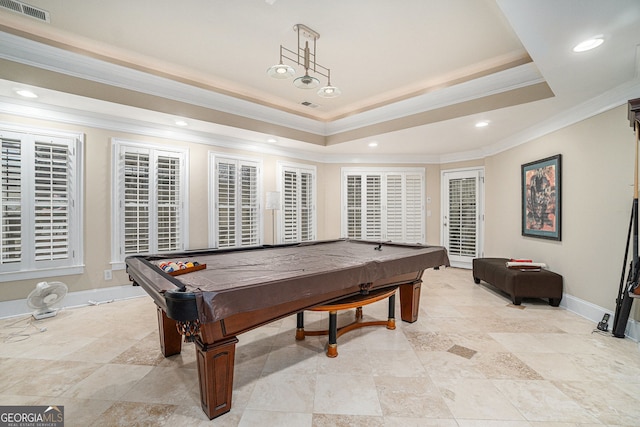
[[518, 283]]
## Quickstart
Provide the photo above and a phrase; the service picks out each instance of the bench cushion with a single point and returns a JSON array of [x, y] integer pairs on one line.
[[517, 283]]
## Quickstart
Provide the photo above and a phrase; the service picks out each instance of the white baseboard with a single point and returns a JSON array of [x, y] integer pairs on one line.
[[594, 313], [75, 299]]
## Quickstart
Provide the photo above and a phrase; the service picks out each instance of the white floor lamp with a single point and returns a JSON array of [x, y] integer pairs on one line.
[[273, 204]]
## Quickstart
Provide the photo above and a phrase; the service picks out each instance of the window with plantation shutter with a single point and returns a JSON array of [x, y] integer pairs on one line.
[[236, 202], [150, 200], [298, 188], [383, 204], [41, 223]]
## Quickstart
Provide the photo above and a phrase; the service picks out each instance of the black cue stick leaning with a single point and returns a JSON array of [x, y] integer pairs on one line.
[[624, 300]]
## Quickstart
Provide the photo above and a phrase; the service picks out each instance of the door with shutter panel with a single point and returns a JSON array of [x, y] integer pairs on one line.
[[462, 215]]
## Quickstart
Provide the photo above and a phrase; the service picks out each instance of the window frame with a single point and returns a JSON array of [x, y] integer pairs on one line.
[[119, 148], [214, 159], [29, 267]]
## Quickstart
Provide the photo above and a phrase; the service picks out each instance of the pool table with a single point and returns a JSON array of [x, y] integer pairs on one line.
[[241, 289]]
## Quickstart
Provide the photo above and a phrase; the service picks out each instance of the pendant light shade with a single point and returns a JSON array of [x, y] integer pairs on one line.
[[281, 71], [329, 92], [306, 82]]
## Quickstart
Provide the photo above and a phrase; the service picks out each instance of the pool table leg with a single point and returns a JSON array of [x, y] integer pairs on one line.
[[215, 373], [410, 301], [170, 338]]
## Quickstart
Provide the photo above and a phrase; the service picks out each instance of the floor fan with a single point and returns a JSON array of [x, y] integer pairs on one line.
[[44, 296]]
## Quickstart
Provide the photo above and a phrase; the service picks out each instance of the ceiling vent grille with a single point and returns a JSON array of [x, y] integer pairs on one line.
[[25, 9], [306, 103]]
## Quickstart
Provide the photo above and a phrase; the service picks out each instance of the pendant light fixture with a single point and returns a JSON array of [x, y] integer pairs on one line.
[[305, 57]]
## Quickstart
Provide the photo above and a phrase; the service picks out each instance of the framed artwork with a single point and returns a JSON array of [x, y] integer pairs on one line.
[[541, 201]]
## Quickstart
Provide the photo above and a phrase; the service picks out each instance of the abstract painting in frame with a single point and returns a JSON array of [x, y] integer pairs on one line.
[[541, 201]]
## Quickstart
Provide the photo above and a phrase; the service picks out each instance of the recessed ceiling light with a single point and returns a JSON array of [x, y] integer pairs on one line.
[[26, 93], [589, 44], [181, 123], [272, 140], [483, 123], [373, 144]]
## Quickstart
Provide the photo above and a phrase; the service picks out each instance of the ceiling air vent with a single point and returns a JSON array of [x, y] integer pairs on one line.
[[25, 9], [305, 103]]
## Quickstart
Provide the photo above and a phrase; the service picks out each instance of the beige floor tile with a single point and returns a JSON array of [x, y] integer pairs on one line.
[[606, 401], [284, 393], [252, 418], [109, 382], [554, 366], [411, 397], [127, 414], [332, 420], [443, 365], [543, 401], [476, 399], [346, 394], [164, 385], [48, 378]]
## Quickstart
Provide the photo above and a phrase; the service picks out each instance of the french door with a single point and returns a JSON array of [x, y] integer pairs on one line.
[[462, 215]]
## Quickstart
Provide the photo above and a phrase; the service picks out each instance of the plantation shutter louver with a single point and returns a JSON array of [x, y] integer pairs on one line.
[[226, 180], [290, 206], [250, 220], [51, 203], [306, 207], [414, 217], [168, 203], [11, 201], [373, 208], [395, 211], [136, 202], [354, 206]]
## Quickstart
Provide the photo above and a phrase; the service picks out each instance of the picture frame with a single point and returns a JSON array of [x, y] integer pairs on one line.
[[541, 198]]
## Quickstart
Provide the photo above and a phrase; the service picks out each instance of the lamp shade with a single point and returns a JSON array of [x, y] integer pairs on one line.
[[281, 71], [329, 92], [306, 82]]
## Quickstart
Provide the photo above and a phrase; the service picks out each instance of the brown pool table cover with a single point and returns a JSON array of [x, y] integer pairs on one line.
[[242, 281]]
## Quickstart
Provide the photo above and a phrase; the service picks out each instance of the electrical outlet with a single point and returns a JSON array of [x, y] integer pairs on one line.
[[107, 275]]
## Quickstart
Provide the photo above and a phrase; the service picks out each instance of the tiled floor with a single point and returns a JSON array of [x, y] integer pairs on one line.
[[472, 359]]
